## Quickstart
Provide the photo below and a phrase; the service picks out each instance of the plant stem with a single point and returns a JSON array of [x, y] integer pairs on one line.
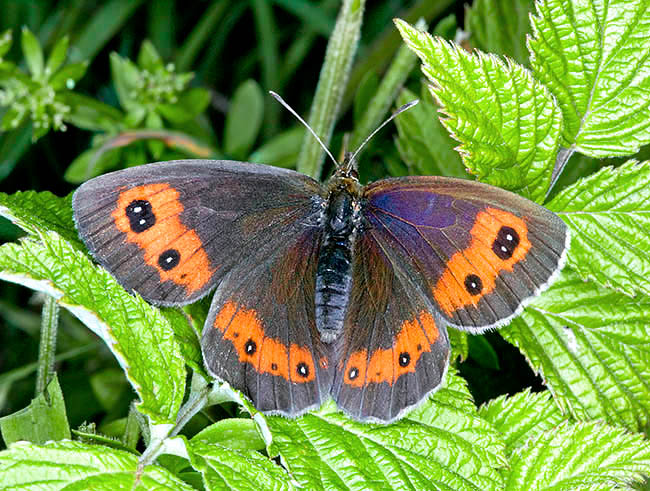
[[387, 91], [341, 49], [47, 348], [379, 54], [563, 156]]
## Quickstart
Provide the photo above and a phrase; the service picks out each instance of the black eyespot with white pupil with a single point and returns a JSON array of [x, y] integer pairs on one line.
[[506, 243], [404, 359], [353, 373], [473, 284], [169, 259], [302, 369], [140, 215], [250, 347]]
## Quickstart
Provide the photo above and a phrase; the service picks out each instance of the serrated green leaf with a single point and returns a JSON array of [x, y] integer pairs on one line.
[[591, 346], [226, 468], [57, 56], [77, 466], [422, 140], [593, 55], [522, 416], [609, 217], [580, 456], [442, 444], [508, 123], [37, 212], [43, 420], [500, 27], [32, 52], [459, 344], [138, 334], [244, 119]]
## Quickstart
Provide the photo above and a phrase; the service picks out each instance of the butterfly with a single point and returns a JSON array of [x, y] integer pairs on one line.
[[322, 290]]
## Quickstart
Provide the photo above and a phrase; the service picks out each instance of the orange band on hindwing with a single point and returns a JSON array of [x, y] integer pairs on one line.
[[150, 217], [499, 240], [243, 328], [414, 338]]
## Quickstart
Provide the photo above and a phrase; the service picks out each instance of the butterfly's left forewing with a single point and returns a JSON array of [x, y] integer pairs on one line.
[[479, 253]]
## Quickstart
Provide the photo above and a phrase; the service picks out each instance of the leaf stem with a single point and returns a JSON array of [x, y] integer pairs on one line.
[[341, 49], [563, 156], [47, 348]]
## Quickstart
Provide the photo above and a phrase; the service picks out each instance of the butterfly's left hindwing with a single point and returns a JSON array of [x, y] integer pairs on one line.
[[394, 348], [171, 231]]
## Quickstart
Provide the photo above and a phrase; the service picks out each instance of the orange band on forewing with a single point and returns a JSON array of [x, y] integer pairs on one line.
[[479, 259], [193, 270], [414, 338], [243, 328]]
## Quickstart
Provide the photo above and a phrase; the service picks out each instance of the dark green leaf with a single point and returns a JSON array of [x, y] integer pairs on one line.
[[32, 52], [43, 420], [244, 119]]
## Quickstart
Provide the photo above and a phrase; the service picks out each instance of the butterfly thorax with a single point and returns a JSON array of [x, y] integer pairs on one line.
[[340, 221]]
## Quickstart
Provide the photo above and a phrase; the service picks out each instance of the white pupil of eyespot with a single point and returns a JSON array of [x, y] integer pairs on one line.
[[169, 259], [143, 221], [509, 237], [137, 209], [473, 285], [504, 248]]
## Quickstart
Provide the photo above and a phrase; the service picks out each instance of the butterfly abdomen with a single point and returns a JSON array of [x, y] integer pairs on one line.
[[334, 272]]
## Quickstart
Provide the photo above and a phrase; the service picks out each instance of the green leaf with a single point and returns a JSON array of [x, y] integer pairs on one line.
[[593, 56], [609, 217], [442, 444], [125, 75], [108, 387], [500, 27], [138, 334], [281, 150], [68, 76], [580, 456], [508, 123], [187, 338], [522, 416], [244, 119], [36, 212], [32, 52], [5, 42], [482, 352], [87, 165], [235, 433], [148, 57], [43, 420], [590, 345], [91, 114], [57, 56], [190, 104], [226, 468], [77, 466], [422, 140], [459, 344]]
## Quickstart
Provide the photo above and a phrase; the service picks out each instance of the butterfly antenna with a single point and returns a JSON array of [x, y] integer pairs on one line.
[[290, 109], [406, 106]]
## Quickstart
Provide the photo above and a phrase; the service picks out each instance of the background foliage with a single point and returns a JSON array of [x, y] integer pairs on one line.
[[559, 399]]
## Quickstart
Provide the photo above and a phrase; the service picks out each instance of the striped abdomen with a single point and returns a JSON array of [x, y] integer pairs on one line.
[[334, 273]]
